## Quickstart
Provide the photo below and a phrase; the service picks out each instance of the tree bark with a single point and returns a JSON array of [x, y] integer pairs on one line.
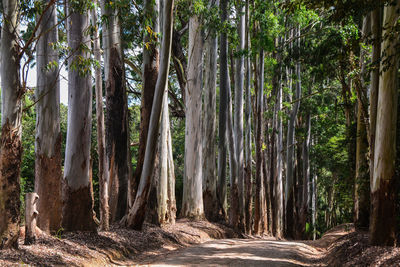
[[383, 187], [117, 128], [210, 199], [171, 179], [223, 113], [101, 140], [48, 175], [135, 217], [77, 192], [11, 114], [31, 215], [192, 202], [150, 73]]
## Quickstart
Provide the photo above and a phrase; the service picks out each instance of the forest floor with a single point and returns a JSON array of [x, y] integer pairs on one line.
[[199, 244]]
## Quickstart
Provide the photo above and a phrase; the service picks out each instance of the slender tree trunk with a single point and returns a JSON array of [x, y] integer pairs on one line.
[[48, 174], [77, 192], [248, 182], [210, 199], [374, 84], [258, 204], [135, 217], [101, 140], [117, 128], [362, 177], [383, 187], [289, 190], [150, 73], [239, 94], [314, 204], [171, 179], [11, 114], [192, 202], [223, 112]]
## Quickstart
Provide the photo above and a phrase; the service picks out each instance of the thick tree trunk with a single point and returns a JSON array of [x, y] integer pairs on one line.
[[11, 114], [210, 199], [239, 94], [383, 186], [101, 140], [248, 206], [77, 192], [135, 217], [150, 73], [117, 128], [192, 202], [48, 175], [223, 113]]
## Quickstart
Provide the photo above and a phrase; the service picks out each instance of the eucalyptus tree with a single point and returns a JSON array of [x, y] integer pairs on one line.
[[117, 129], [192, 202], [135, 217], [211, 208], [48, 175], [150, 70], [11, 129], [224, 87], [77, 192], [101, 142], [383, 189]]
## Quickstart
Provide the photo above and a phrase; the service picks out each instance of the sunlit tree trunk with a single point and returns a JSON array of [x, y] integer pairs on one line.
[[117, 129], [210, 199], [11, 114], [48, 174], [223, 112], [150, 72], [135, 217], [101, 140], [192, 202], [383, 189], [171, 179], [77, 192]]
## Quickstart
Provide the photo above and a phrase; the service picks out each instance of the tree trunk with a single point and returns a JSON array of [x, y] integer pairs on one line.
[[31, 215], [192, 202], [383, 187], [117, 128], [162, 189], [223, 113], [258, 204], [239, 93], [210, 199], [314, 204], [101, 151], [48, 175], [135, 217], [247, 149], [171, 179], [77, 192], [289, 190], [11, 114], [150, 73]]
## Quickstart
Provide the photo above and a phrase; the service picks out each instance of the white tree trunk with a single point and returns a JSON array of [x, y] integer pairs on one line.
[[31, 215], [162, 189], [101, 141], [171, 179], [192, 202], [77, 192], [11, 114]]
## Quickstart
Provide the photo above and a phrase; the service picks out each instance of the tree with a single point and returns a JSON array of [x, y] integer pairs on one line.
[[210, 199], [77, 192], [135, 217], [48, 135], [192, 202], [117, 130], [11, 113], [101, 140], [383, 189]]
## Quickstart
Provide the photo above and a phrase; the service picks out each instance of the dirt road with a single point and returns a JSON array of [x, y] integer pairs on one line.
[[245, 253]]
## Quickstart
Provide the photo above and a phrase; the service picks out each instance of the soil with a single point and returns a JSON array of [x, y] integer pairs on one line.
[[202, 243]]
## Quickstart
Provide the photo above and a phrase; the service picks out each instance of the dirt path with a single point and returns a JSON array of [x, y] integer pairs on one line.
[[246, 253]]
